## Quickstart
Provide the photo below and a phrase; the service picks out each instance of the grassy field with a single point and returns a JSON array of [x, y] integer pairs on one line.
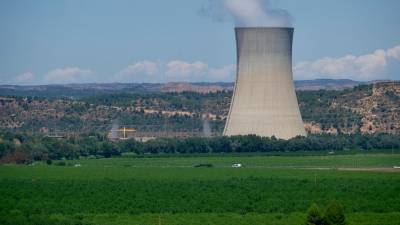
[[171, 190]]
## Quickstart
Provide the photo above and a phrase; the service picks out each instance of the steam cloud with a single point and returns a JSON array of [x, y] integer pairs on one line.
[[114, 130], [247, 13], [206, 126], [256, 13]]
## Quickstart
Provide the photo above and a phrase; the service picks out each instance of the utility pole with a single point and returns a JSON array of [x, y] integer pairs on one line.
[[315, 179]]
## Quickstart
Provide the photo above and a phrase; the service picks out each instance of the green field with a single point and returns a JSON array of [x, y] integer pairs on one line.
[[171, 190]]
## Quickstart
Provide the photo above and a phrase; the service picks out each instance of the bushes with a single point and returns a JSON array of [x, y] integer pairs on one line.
[[60, 163], [314, 216], [16, 217], [208, 165], [334, 215]]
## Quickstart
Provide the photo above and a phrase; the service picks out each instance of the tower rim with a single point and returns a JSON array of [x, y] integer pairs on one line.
[[264, 28]]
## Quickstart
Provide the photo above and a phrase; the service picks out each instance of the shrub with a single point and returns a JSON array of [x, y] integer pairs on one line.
[[334, 214], [61, 163], [314, 216], [204, 165]]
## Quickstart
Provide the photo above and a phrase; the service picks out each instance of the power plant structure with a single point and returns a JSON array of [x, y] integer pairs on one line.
[[121, 133], [264, 100]]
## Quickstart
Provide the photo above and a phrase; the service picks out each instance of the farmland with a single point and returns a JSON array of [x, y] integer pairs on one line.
[[171, 190]]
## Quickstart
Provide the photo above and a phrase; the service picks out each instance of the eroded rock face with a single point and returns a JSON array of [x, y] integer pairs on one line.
[[380, 108]]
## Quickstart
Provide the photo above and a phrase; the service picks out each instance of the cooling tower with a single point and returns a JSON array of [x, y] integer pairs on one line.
[[264, 100]]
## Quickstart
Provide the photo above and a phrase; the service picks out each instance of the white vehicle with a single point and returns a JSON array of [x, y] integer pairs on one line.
[[236, 165], [396, 167]]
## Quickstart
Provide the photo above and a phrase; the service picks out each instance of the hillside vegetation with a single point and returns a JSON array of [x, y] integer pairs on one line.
[[368, 109]]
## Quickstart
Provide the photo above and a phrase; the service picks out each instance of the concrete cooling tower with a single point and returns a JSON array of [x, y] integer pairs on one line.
[[264, 100]]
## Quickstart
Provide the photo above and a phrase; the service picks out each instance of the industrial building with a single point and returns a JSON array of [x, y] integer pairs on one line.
[[264, 101]]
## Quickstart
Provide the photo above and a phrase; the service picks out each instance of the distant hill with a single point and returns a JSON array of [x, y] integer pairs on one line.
[[75, 90], [80, 90], [325, 84], [305, 85]]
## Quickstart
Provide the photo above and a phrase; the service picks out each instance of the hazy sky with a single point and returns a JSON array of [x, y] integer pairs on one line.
[[70, 41]]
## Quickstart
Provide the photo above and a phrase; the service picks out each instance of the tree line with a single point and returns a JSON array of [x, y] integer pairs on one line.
[[25, 147]]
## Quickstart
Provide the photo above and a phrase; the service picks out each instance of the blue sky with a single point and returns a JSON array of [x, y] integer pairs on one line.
[[73, 41]]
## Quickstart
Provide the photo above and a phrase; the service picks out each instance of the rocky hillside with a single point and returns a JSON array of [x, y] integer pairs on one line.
[[373, 108], [379, 107]]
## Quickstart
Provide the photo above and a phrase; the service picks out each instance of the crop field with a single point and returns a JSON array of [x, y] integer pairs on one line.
[[201, 190]]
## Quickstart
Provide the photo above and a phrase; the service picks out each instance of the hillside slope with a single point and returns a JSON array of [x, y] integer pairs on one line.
[[373, 108]]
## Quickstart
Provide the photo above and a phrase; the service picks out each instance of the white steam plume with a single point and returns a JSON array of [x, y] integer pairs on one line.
[[114, 130], [247, 13], [257, 13], [206, 127]]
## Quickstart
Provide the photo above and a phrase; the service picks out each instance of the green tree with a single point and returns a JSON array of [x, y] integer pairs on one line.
[[314, 216], [334, 214]]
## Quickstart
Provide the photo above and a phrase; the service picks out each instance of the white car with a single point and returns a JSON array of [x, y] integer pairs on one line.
[[236, 165]]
